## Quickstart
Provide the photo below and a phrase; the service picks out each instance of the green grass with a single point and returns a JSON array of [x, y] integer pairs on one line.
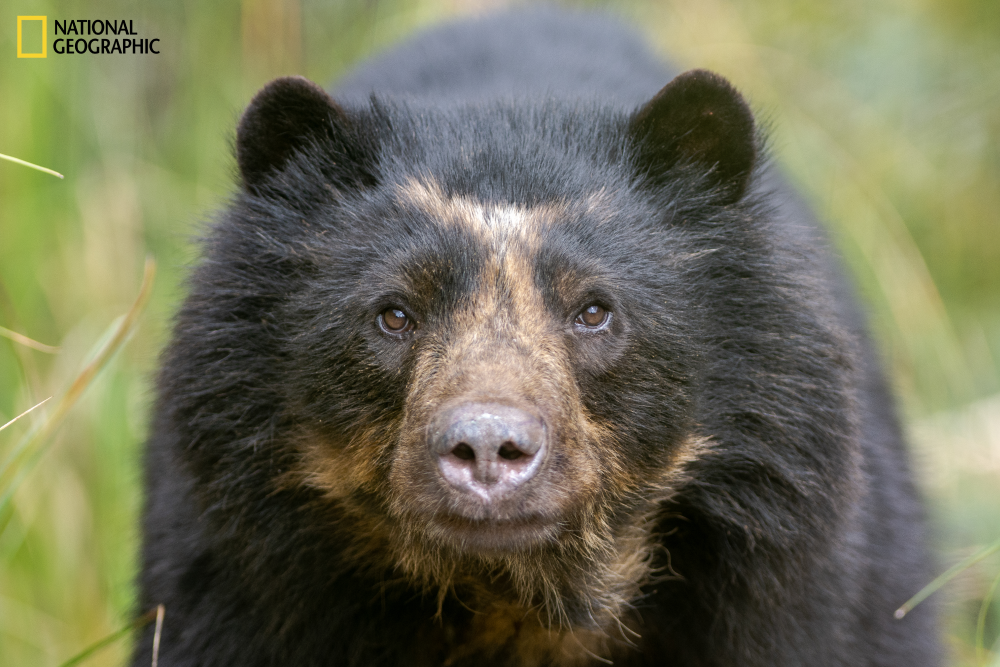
[[886, 113]]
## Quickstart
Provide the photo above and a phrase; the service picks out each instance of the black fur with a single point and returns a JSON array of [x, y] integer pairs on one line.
[[698, 118], [279, 121], [793, 538]]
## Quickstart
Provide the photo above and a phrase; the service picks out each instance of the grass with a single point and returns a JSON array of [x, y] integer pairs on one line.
[[885, 114], [23, 163]]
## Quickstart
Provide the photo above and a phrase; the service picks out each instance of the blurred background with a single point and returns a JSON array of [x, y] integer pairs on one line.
[[885, 113]]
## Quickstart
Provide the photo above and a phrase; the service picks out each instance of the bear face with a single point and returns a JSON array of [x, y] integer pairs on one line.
[[435, 290], [491, 365]]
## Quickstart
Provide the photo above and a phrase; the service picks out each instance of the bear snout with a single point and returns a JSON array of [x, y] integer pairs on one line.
[[488, 450]]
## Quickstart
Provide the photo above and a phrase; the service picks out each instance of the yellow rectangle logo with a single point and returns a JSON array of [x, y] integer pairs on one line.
[[44, 53]]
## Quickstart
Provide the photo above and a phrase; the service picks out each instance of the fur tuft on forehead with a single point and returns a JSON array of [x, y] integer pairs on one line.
[[493, 221]]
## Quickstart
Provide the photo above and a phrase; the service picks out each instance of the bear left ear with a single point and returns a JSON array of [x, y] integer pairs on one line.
[[283, 117], [698, 118]]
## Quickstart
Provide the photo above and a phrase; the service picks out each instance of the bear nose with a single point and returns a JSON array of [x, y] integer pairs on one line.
[[487, 449]]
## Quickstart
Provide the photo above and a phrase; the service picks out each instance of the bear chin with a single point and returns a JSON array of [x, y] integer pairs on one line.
[[487, 537]]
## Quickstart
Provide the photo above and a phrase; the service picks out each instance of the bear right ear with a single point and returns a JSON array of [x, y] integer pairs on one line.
[[698, 119], [282, 118]]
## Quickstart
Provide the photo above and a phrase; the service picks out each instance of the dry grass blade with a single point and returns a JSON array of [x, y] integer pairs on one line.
[[160, 611], [140, 622], [36, 405], [29, 450], [950, 574], [27, 342], [28, 164]]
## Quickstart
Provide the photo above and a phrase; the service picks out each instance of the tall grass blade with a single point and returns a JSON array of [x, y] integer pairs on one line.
[[28, 164], [27, 342], [140, 622], [950, 574], [32, 446], [36, 405], [160, 611], [981, 621]]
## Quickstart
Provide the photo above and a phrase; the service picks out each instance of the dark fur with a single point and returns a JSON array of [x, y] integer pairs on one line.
[[288, 516]]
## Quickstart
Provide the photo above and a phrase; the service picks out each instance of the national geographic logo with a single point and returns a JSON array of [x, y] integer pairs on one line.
[[21, 20], [80, 37]]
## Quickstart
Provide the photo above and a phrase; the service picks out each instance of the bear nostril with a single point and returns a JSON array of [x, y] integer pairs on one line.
[[510, 452], [464, 452], [487, 449]]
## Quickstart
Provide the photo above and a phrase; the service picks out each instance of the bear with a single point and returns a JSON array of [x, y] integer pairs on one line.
[[516, 350]]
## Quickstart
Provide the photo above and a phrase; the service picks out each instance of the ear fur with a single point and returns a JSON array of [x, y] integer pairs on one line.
[[698, 118], [280, 119]]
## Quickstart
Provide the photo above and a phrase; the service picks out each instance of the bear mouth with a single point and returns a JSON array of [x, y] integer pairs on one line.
[[493, 536]]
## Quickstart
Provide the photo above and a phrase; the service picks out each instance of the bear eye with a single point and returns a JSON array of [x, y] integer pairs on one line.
[[593, 317], [395, 321]]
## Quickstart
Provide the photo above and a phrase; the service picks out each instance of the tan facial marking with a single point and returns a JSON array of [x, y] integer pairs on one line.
[[511, 236], [340, 469], [531, 641], [497, 223]]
